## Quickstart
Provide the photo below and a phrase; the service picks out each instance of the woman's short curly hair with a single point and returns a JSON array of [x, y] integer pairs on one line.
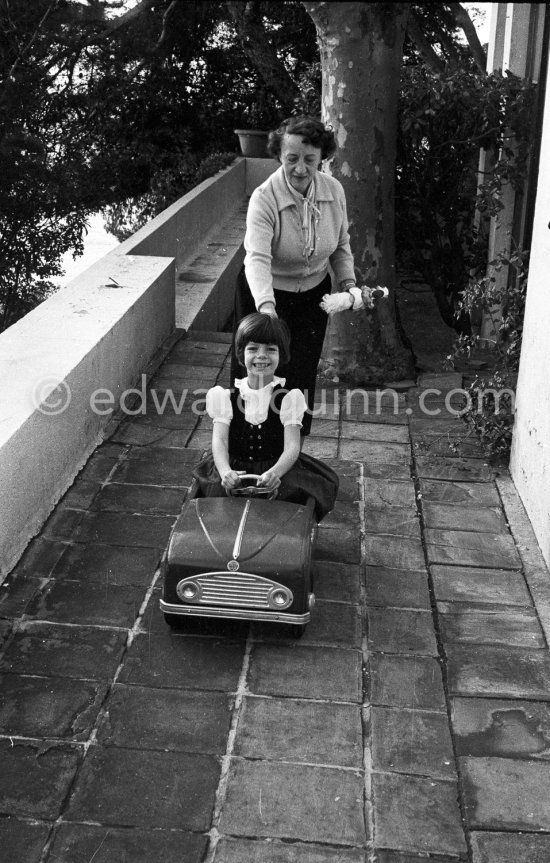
[[264, 330], [311, 130]]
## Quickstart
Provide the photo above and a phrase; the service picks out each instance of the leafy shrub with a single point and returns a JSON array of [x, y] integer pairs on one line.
[[38, 224], [490, 413], [309, 85], [125, 218], [442, 210]]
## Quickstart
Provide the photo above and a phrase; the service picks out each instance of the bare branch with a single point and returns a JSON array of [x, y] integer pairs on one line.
[[94, 12], [481, 135], [160, 41], [416, 35], [131, 15], [27, 47], [463, 20], [166, 25], [258, 48]]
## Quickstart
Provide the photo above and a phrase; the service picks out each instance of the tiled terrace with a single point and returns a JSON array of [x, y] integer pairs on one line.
[[411, 721]]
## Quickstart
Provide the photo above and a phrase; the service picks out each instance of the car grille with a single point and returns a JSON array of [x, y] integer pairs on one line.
[[231, 589]]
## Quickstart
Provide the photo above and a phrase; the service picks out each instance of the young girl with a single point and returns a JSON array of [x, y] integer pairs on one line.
[[256, 427]]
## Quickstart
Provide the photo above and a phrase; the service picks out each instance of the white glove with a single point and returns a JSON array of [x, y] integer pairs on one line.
[[355, 298], [332, 303]]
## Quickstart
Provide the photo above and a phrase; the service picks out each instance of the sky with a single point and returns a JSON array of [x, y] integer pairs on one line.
[[482, 24]]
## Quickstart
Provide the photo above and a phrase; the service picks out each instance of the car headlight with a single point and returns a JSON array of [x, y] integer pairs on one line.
[[188, 591], [279, 598]]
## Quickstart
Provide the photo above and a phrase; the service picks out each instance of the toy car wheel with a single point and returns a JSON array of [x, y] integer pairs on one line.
[[295, 631]]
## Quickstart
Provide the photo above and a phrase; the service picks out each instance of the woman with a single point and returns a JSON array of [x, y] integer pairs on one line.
[[296, 228]]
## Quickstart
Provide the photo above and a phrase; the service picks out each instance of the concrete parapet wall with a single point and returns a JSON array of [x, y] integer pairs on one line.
[[86, 337], [186, 224], [258, 170], [91, 336], [206, 283], [212, 304]]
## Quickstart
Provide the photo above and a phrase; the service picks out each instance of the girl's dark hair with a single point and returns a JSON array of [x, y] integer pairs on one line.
[[266, 331], [311, 130]]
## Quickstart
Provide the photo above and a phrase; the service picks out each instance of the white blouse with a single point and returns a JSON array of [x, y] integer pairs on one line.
[[256, 403]]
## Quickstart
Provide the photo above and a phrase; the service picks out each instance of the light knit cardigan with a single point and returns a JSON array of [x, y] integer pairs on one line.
[[275, 242]]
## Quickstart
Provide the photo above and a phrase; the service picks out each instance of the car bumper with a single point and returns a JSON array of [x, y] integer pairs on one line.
[[234, 613]]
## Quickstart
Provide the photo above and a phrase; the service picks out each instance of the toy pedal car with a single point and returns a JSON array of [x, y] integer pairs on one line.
[[240, 557]]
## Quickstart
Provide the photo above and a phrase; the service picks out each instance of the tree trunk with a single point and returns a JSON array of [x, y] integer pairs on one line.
[[361, 47]]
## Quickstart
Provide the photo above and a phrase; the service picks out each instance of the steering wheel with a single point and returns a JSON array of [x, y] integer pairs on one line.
[[251, 489]]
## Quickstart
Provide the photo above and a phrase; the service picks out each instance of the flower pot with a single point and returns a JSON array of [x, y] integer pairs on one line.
[[253, 143]]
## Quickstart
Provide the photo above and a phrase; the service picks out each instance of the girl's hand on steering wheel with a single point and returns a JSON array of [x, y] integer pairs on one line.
[[269, 480], [232, 478]]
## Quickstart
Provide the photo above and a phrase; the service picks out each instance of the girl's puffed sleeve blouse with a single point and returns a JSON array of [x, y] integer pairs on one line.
[[256, 404]]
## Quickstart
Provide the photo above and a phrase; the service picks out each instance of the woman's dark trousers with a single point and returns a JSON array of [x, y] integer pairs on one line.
[[307, 323]]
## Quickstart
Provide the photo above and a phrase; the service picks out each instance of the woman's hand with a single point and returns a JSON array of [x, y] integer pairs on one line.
[[369, 295], [268, 308], [269, 480], [232, 478]]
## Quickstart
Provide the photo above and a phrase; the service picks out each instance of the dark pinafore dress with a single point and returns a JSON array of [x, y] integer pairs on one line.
[[256, 448]]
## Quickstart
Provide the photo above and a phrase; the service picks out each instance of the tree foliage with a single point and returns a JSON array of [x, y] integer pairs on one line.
[[40, 217], [102, 105], [444, 121], [108, 106]]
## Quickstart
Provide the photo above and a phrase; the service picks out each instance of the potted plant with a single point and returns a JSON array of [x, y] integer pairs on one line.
[[253, 142]]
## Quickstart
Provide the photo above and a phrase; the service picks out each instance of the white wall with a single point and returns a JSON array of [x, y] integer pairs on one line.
[[85, 337], [90, 336], [530, 460]]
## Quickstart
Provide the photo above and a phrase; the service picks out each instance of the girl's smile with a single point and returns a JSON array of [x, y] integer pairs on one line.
[[261, 362]]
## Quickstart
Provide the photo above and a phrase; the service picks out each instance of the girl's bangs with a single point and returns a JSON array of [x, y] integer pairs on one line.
[[266, 332]]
